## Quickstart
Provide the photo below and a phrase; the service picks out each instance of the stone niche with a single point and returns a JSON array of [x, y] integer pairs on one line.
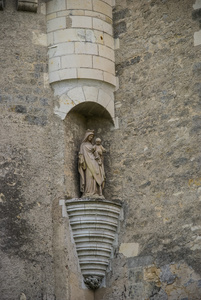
[[83, 116], [93, 221]]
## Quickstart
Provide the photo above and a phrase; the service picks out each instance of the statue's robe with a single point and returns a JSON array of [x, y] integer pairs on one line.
[[89, 169]]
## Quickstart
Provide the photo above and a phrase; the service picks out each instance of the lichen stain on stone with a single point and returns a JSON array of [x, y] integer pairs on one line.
[[181, 281], [2, 198], [68, 22], [152, 274], [196, 182]]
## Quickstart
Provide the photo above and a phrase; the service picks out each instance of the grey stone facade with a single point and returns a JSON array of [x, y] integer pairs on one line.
[[152, 164]]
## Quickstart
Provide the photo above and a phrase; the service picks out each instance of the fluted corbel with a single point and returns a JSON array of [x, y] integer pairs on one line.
[[27, 5]]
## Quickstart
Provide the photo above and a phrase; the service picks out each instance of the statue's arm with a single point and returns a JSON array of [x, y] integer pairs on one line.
[[82, 163]]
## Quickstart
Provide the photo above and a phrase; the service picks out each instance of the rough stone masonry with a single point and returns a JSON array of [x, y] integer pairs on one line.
[[152, 164]]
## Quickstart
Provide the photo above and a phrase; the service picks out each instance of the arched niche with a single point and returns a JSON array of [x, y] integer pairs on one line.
[[86, 115], [92, 95]]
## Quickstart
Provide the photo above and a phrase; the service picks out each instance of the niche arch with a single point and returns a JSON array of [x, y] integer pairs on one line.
[[83, 116], [99, 95]]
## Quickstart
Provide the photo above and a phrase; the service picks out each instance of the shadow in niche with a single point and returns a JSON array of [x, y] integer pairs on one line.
[[87, 115]]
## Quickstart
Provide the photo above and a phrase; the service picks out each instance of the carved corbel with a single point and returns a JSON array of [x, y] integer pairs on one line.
[[94, 224], [27, 5], [2, 4]]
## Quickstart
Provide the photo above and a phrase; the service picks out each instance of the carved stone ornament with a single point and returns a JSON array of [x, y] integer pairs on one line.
[[93, 282], [91, 167], [2, 4], [27, 5], [94, 225]]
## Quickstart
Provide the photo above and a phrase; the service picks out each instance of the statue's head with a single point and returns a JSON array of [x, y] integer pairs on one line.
[[88, 135], [98, 141]]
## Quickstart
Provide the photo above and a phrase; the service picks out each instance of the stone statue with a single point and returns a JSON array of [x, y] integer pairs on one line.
[[90, 166], [99, 150]]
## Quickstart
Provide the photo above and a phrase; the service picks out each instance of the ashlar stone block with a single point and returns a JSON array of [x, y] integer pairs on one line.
[[70, 73], [106, 52], [103, 98], [103, 64], [108, 40], [62, 74], [76, 94], [54, 76], [81, 21], [94, 36], [55, 24], [61, 49], [197, 38], [90, 74], [109, 2], [54, 64], [102, 7], [102, 26], [39, 38], [76, 61], [55, 5], [69, 35], [110, 78], [86, 48], [91, 93], [51, 16], [129, 249], [110, 108], [79, 4]]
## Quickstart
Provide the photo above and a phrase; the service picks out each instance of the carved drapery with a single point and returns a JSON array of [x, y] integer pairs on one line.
[[27, 5]]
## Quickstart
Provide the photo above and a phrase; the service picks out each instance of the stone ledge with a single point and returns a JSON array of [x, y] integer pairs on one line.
[[27, 5], [116, 202]]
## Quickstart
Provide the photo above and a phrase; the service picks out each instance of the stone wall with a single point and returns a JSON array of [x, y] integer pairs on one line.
[[156, 166], [26, 180], [38, 260], [152, 162], [80, 40]]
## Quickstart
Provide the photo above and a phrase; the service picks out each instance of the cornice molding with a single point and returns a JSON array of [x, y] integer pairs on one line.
[[27, 5]]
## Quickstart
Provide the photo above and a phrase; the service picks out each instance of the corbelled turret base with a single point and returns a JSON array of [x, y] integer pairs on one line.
[[94, 224]]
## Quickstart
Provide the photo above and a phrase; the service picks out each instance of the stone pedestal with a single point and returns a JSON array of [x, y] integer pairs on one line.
[[94, 225]]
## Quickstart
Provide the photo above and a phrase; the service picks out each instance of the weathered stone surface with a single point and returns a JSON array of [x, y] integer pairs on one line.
[[157, 161], [153, 158], [34, 248], [27, 5], [129, 249]]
